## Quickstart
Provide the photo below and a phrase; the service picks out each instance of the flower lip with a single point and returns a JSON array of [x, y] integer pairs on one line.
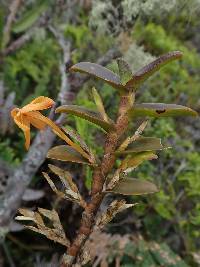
[[15, 112]]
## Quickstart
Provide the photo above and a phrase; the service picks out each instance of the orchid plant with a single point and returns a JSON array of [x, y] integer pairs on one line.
[[107, 177]]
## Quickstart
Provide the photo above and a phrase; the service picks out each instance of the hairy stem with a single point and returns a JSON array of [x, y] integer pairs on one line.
[[99, 177]]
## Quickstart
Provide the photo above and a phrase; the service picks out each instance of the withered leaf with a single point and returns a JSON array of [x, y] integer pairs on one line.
[[143, 144], [89, 115], [52, 215], [115, 207], [56, 234], [71, 191], [52, 185], [132, 186], [161, 110], [64, 176], [133, 138]]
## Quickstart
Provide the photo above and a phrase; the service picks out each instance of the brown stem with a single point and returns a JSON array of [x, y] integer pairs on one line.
[[99, 177]]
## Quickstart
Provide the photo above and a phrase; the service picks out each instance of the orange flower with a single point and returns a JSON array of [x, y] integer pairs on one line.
[[30, 115]]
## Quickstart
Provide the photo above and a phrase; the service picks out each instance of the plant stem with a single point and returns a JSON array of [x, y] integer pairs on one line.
[[99, 178]]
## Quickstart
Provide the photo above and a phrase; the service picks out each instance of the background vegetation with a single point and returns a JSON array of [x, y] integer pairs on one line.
[[163, 230]]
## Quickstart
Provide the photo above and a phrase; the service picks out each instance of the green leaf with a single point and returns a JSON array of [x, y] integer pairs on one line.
[[99, 72], [137, 159], [144, 73], [66, 153], [125, 72], [143, 144], [133, 186], [89, 115], [161, 110], [30, 17], [99, 104]]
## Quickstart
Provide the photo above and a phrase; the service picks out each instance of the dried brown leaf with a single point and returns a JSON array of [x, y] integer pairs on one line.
[[115, 207]]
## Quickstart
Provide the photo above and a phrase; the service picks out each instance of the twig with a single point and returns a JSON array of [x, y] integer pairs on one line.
[[65, 45], [7, 29], [18, 182], [18, 43]]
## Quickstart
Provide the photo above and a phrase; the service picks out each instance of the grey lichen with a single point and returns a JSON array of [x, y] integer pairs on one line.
[[109, 17]]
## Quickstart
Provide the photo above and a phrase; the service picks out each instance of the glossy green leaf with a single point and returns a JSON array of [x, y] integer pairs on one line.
[[143, 144], [161, 110], [144, 73], [30, 17], [125, 72], [99, 72], [89, 115], [133, 186], [66, 153]]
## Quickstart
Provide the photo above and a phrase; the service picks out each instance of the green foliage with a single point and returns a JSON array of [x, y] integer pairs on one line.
[[140, 253], [7, 152], [30, 17], [144, 254], [176, 77], [30, 70], [82, 38]]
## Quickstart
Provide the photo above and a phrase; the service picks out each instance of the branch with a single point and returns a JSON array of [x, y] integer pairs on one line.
[[98, 180], [22, 176], [7, 29], [18, 43]]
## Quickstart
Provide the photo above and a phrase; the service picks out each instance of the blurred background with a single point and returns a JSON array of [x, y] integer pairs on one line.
[[40, 40]]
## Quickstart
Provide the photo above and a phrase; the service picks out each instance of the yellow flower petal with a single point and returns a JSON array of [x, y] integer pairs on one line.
[[30, 114], [24, 124], [40, 103], [35, 122], [14, 112]]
